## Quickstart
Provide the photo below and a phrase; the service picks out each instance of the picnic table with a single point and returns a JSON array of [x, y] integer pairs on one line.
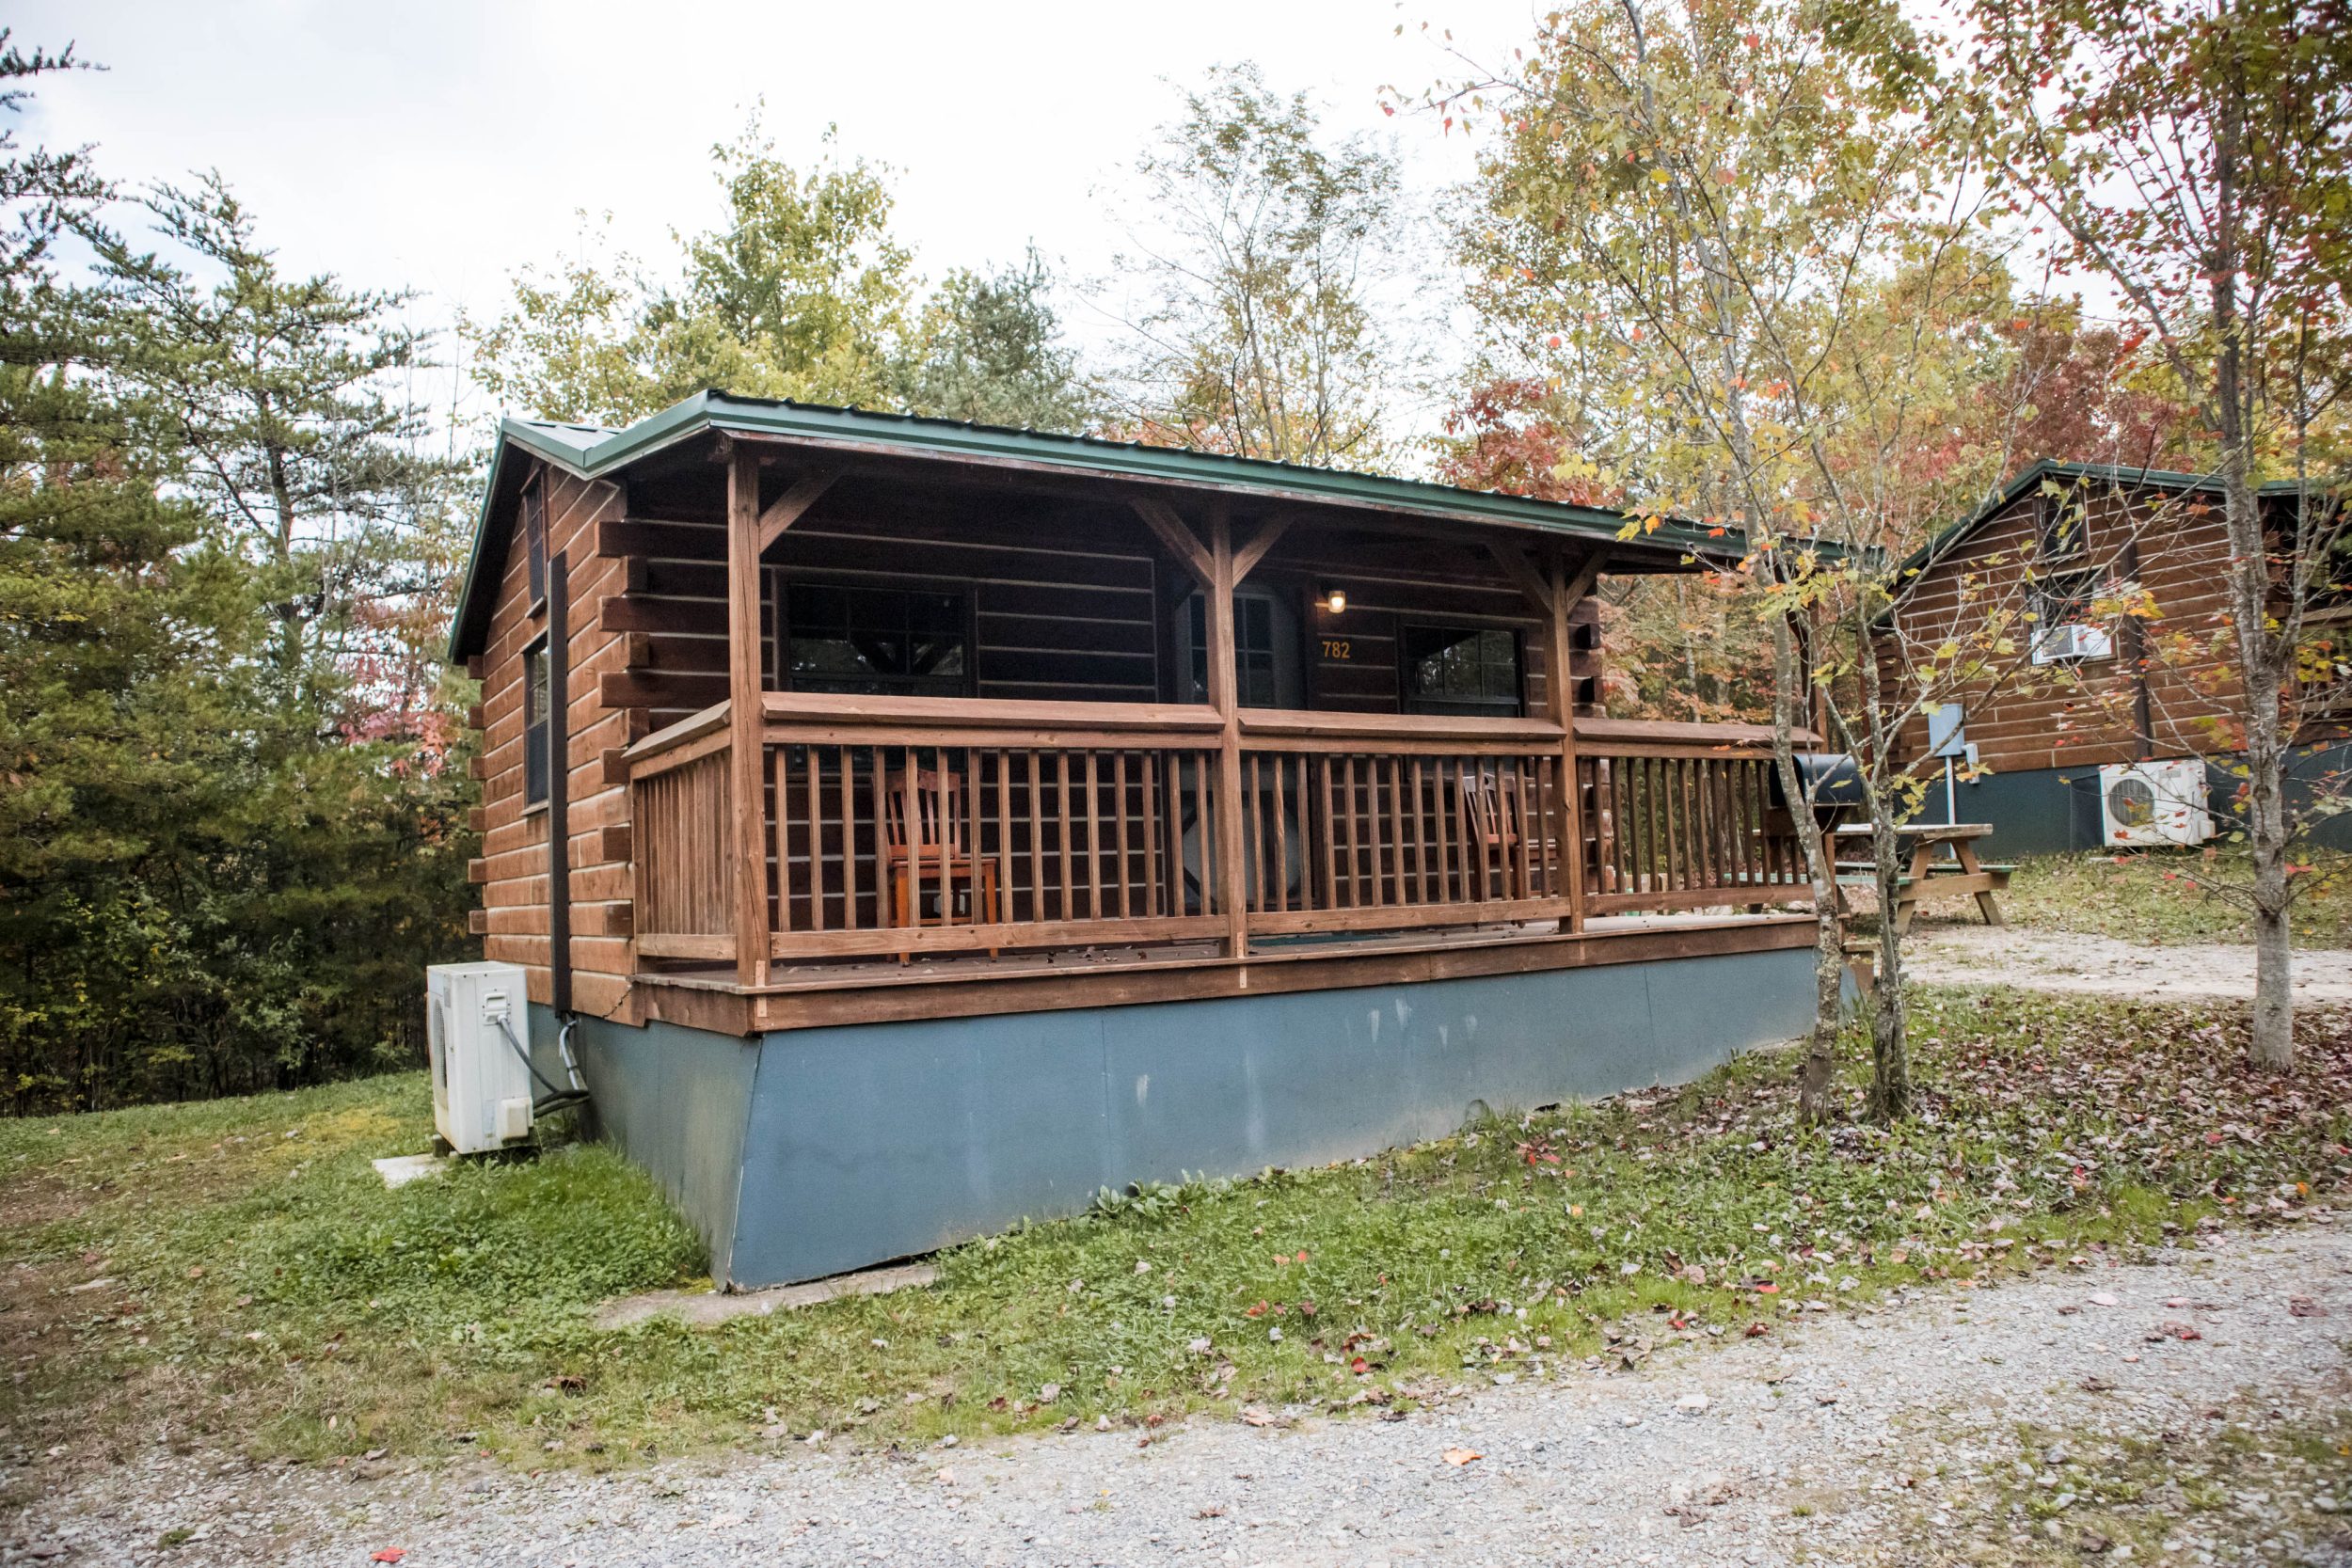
[[1929, 871]]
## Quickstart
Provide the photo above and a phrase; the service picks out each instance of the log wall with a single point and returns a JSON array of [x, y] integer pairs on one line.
[[2082, 714]]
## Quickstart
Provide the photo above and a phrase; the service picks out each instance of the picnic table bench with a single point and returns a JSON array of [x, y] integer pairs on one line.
[[1927, 874]]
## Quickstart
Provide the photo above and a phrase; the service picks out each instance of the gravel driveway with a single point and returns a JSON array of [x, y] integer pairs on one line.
[[2074, 962], [1815, 1443]]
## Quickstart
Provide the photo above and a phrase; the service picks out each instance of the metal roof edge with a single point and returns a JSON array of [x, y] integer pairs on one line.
[[1931, 553], [820, 424], [1178, 464]]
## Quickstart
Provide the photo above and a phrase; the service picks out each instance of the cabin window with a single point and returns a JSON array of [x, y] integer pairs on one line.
[[877, 642], [535, 542], [2065, 625], [2059, 537], [1261, 664], [1466, 669], [535, 728]]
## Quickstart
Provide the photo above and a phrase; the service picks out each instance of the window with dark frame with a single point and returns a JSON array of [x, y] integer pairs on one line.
[[2066, 625], [2065, 598], [535, 729], [535, 542], [2059, 535], [877, 642], [1463, 669], [1254, 678]]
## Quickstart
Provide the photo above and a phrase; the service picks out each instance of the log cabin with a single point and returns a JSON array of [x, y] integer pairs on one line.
[[919, 825], [2092, 689]]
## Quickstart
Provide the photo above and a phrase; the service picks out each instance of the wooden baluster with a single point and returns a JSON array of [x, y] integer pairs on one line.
[[1004, 839], [1094, 838], [1204, 818], [1393, 768], [1282, 834], [1254, 826], [1171, 765], [1420, 836], [1355, 851], [1119, 796], [1545, 842], [784, 841], [1438, 826], [1702, 827], [1069, 886], [814, 791], [1727, 815], [1147, 787], [1329, 830], [1030, 761], [1678, 857], [1520, 830], [1734, 822], [848, 842]]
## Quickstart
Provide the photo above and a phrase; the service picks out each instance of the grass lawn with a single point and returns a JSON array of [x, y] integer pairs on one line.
[[262, 1291], [2153, 897]]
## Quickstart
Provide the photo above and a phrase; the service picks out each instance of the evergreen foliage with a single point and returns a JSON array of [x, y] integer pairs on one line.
[[230, 831]]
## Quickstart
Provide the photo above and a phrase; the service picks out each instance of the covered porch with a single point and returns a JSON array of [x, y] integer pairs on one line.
[[805, 857]]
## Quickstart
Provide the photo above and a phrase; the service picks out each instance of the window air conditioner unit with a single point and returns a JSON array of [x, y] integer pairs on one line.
[[2154, 803], [2080, 639], [477, 1031]]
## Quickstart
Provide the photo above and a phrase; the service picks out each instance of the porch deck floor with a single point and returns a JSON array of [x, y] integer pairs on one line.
[[933, 969]]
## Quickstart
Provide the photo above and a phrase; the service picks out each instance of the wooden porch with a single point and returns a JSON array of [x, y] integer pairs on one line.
[[926, 856]]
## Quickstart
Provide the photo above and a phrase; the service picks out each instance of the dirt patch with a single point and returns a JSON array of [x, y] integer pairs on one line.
[[2079, 964]]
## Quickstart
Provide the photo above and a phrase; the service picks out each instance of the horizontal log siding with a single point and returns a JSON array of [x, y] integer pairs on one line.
[[1391, 581], [1070, 602], [1067, 619], [2084, 718], [513, 917]]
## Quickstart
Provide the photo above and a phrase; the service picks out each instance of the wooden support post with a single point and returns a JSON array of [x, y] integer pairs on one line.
[[747, 796], [1560, 685], [1225, 696]]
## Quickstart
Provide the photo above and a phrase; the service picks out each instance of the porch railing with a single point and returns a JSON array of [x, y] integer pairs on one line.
[[902, 825], [1361, 822], [1681, 816]]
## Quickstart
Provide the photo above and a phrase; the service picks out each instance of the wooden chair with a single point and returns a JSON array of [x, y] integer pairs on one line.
[[1490, 805], [927, 853]]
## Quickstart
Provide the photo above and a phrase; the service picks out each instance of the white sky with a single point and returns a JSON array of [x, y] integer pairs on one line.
[[439, 144]]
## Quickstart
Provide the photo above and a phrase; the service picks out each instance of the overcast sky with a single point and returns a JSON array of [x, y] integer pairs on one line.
[[438, 145]]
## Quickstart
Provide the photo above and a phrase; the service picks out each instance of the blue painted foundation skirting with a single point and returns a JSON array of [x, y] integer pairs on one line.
[[805, 1153]]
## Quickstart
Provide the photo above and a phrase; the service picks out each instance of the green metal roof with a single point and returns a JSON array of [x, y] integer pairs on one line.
[[2030, 478], [592, 452]]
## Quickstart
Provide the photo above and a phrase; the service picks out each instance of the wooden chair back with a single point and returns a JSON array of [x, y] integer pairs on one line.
[[926, 813], [1492, 800]]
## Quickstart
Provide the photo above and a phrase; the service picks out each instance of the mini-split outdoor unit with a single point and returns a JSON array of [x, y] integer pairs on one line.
[[2154, 803], [477, 1029]]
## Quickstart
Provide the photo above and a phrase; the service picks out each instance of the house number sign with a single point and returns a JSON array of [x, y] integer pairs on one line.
[[1336, 649]]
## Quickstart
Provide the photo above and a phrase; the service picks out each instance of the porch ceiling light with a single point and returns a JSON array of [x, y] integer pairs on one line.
[[1334, 597]]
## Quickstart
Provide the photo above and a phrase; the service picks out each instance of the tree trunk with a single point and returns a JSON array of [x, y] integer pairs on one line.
[[2265, 666], [1890, 1050], [1829, 955]]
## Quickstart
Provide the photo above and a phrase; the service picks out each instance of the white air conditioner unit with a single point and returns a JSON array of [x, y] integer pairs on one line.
[[2079, 640], [477, 1029], [2154, 803]]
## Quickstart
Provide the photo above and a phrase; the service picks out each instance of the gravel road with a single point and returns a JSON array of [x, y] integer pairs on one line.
[[2074, 962], [1834, 1441]]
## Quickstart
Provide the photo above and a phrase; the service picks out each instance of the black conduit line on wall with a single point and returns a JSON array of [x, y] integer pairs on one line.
[[559, 786]]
